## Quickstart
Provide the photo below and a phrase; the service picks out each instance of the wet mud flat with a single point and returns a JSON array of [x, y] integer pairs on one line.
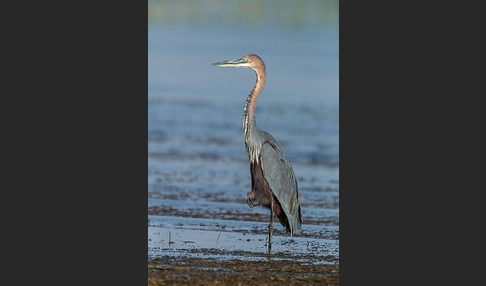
[[202, 251], [198, 271]]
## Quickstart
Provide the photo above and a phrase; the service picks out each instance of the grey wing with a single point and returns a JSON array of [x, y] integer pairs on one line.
[[281, 179]]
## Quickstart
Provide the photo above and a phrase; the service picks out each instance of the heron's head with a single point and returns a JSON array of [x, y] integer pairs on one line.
[[247, 61]]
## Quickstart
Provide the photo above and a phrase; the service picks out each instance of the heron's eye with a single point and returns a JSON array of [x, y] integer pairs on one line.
[[247, 60]]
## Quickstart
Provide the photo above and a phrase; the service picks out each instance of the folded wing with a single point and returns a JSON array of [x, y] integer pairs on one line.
[[281, 178]]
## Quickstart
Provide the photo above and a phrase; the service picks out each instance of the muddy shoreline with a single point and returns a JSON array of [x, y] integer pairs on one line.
[[197, 271]]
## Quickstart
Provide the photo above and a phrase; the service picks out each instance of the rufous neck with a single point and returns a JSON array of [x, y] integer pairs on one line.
[[249, 111]]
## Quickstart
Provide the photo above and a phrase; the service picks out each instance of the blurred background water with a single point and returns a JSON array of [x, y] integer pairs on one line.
[[196, 149]]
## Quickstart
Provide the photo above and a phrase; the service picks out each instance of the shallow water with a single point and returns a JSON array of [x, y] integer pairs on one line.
[[198, 169]]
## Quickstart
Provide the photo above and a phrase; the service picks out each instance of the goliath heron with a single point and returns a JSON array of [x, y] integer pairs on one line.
[[273, 183]]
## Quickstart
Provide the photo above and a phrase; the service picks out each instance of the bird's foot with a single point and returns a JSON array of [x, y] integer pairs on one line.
[[250, 202]]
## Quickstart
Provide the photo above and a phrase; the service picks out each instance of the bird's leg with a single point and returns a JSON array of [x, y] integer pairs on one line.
[[270, 229]]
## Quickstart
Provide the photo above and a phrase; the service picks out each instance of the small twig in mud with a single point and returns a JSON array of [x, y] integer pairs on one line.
[[332, 249], [170, 241], [218, 237]]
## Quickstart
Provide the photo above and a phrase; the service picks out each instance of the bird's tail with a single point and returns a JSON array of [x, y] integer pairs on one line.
[[295, 221]]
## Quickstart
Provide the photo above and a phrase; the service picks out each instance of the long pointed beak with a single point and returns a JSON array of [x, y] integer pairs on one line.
[[230, 63]]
